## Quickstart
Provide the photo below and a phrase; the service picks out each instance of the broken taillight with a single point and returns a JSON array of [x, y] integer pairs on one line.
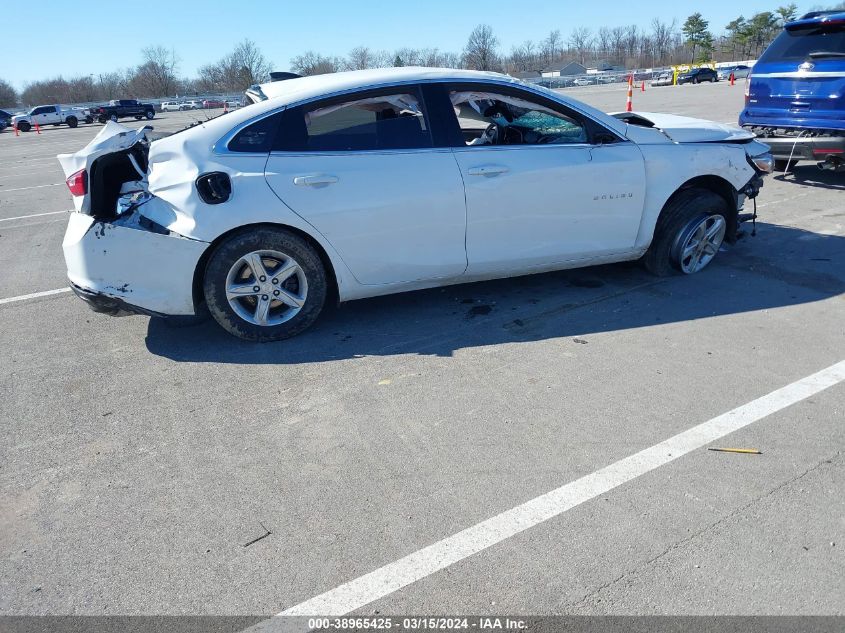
[[78, 183]]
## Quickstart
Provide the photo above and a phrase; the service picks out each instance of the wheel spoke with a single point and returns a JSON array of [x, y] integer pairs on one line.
[[253, 260], [690, 250], [262, 309], [285, 271], [290, 299], [241, 290], [713, 231], [710, 248], [693, 262]]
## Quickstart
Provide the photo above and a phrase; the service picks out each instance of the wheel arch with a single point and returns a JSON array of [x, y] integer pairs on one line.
[[199, 271], [720, 187]]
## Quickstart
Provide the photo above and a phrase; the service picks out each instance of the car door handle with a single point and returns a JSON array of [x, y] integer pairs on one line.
[[487, 170], [311, 181]]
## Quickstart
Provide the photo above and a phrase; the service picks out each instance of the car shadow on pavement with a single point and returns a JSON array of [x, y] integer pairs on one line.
[[781, 266], [811, 176]]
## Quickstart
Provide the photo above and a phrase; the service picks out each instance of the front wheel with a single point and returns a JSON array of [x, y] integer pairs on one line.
[[24, 126], [72, 121], [89, 119], [265, 284], [113, 117], [689, 233]]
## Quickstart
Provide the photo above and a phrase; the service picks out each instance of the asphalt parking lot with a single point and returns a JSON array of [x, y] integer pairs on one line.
[[147, 469]]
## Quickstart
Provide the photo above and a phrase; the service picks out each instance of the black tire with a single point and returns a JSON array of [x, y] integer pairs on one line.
[[784, 165], [72, 121], [150, 114], [695, 81], [683, 211], [89, 119], [24, 126], [225, 257], [113, 117], [101, 119]]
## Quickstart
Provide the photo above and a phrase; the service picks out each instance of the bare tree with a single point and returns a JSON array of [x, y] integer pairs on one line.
[[238, 70], [580, 41], [156, 76], [480, 51], [8, 95], [551, 47], [661, 38], [311, 63], [361, 58]]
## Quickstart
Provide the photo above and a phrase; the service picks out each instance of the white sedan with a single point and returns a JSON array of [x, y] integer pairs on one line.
[[366, 183]]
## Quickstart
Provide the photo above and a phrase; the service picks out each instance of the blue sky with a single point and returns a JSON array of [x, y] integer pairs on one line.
[[92, 41]]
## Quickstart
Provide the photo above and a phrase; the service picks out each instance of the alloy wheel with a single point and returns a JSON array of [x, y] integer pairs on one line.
[[703, 239], [266, 287]]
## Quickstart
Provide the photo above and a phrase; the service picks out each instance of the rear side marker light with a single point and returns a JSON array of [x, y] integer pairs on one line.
[[78, 183]]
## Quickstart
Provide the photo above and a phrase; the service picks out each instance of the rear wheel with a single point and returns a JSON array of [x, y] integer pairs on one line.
[[89, 119], [689, 233], [72, 121], [149, 114], [265, 284]]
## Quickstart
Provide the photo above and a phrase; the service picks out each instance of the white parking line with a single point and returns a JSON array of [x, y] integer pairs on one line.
[[54, 184], [34, 215], [393, 576], [34, 295]]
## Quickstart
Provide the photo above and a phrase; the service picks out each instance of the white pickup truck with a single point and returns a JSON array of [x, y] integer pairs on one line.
[[51, 115]]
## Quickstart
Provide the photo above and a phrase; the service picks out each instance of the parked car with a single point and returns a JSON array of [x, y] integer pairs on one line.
[[582, 81], [795, 95], [232, 104], [697, 76], [191, 105], [171, 106], [740, 71], [5, 119], [212, 103], [51, 115], [123, 108], [353, 203], [666, 78]]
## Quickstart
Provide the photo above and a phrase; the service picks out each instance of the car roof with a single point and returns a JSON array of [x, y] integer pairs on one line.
[[281, 93]]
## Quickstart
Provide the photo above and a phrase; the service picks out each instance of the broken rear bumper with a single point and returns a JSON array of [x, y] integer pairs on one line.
[[129, 266], [104, 304]]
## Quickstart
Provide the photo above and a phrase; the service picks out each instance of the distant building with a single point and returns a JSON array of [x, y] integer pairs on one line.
[[564, 68], [602, 65], [525, 74]]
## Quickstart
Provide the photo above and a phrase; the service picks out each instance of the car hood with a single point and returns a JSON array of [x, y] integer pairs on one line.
[[682, 129]]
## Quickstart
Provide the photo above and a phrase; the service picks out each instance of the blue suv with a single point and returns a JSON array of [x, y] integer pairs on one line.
[[795, 96]]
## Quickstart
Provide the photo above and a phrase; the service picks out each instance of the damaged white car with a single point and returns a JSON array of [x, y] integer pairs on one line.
[[351, 185]]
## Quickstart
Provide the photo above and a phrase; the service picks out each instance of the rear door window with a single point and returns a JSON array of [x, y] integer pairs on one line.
[[368, 122]]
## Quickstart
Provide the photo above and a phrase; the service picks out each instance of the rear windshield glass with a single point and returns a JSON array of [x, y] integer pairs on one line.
[[797, 45]]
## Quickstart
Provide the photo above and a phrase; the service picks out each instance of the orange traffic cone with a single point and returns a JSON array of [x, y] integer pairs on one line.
[[37, 128], [15, 127], [630, 105], [225, 107], [642, 88], [733, 79]]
